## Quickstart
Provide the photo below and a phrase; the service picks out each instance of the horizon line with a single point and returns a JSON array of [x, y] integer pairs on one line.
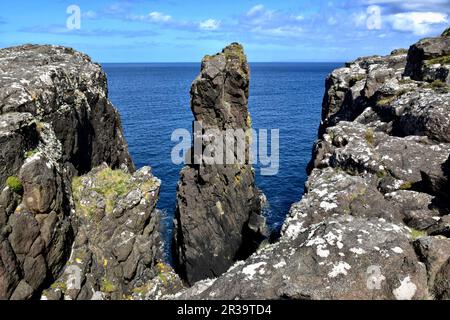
[[196, 62]]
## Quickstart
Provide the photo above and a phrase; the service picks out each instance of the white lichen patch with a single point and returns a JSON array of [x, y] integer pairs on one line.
[[327, 206], [251, 270], [294, 229], [397, 250], [341, 268], [358, 251], [280, 264], [332, 238], [406, 290], [322, 252]]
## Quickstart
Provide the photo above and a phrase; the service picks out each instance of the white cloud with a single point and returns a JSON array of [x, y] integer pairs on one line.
[[89, 14], [398, 6], [279, 32], [373, 17], [209, 24], [159, 17], [264, 22], [256, 9], [420, 23]]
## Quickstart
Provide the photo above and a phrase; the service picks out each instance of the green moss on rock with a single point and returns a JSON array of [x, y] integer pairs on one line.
[[416, 234], [369, 136], [439, 60], [30, 153], [107, 286], [235, 51], [15, 184], [111, 185], [406, 186], [59, 285]]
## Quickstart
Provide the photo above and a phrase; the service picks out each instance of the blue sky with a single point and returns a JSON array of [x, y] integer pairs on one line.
[[185, 30]]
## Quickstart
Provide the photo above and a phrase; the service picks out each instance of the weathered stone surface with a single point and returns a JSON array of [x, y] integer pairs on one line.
[[218, 206], [339, 258], [17, 133], [434, 252], [442, 228], [55, 122], [373, 223], [66, 89], [117, 242], [442, 282], [429, 59]]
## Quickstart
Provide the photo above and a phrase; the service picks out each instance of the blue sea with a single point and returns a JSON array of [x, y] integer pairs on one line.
[[153, 100]]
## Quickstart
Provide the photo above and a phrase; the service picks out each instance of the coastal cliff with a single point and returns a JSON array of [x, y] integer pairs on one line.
[[374, 220], [95, 236], [217, 220], [77, 221]]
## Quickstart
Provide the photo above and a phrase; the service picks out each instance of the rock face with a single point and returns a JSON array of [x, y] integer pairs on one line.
[[374, 221], [56, 123], [218, 217], [117, 242]]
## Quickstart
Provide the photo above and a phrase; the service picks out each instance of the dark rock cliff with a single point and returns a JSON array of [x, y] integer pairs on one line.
[[218, 217], [374, 221], [77, 221], [56, 123]]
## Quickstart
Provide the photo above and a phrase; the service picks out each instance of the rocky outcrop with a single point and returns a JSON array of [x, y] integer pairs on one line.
[[218, 217], [428, 59], [117, 241], [57, 123], [374, 221]]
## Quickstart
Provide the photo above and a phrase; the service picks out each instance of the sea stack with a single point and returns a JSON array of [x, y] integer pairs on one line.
[[217, 219]]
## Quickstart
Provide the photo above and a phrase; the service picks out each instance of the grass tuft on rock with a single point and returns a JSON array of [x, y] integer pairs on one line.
[[235, 51], [439, 85], [406, 186], [59, 285], [416, 234], [386, 101], [15, 184], [31, 153], [111, 185], [369, 136], [107, 286], [439, 60]]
